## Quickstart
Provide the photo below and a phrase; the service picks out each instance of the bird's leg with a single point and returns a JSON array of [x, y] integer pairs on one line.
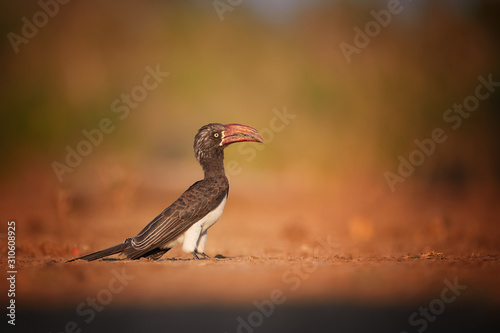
[[195, 255]]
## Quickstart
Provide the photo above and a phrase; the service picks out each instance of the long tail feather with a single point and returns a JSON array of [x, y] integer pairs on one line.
[[103, 253]]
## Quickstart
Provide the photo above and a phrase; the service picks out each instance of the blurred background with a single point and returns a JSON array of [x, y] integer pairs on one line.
[[335, 122], [345, 119]]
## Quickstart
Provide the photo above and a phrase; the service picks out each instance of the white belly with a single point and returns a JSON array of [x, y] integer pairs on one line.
[[212, 217], [195, 236]]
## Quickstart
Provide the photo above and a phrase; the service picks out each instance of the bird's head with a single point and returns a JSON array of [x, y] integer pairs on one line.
[[211, 139]]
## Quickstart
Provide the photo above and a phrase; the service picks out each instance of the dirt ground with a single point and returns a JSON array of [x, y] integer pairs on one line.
[[288, 255]]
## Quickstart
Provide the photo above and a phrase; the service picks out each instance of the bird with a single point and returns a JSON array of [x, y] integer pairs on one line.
[[187, 220]]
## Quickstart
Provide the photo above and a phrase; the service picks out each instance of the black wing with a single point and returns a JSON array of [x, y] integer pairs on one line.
[[198, 200]]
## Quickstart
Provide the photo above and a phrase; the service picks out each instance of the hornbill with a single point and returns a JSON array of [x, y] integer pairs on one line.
[[187, 220]]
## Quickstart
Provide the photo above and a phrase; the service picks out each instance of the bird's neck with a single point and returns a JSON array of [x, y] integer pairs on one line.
[[213, 165]]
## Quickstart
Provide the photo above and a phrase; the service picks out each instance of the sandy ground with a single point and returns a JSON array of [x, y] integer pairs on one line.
[[352, 259]]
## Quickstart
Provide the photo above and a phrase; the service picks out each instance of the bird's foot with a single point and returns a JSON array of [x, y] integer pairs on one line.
[[205, 256]]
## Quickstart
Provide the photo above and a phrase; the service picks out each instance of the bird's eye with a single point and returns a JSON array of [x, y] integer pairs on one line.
[[216, 135]]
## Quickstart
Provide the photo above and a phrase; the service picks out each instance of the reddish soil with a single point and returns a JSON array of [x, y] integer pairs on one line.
[[308, 246]]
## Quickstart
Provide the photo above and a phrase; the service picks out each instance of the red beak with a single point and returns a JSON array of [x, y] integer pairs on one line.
[[239, 133]]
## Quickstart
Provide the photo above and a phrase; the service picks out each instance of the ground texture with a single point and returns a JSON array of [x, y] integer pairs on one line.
[[308, 258]]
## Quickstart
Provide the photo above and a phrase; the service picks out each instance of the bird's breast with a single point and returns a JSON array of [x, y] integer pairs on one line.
[[209, 220], [199, 227]]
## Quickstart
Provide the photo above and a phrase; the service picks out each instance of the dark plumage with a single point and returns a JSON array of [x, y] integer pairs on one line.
[[187, 220]]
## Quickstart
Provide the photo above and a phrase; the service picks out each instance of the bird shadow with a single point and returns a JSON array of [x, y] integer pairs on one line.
[[216, 257]]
